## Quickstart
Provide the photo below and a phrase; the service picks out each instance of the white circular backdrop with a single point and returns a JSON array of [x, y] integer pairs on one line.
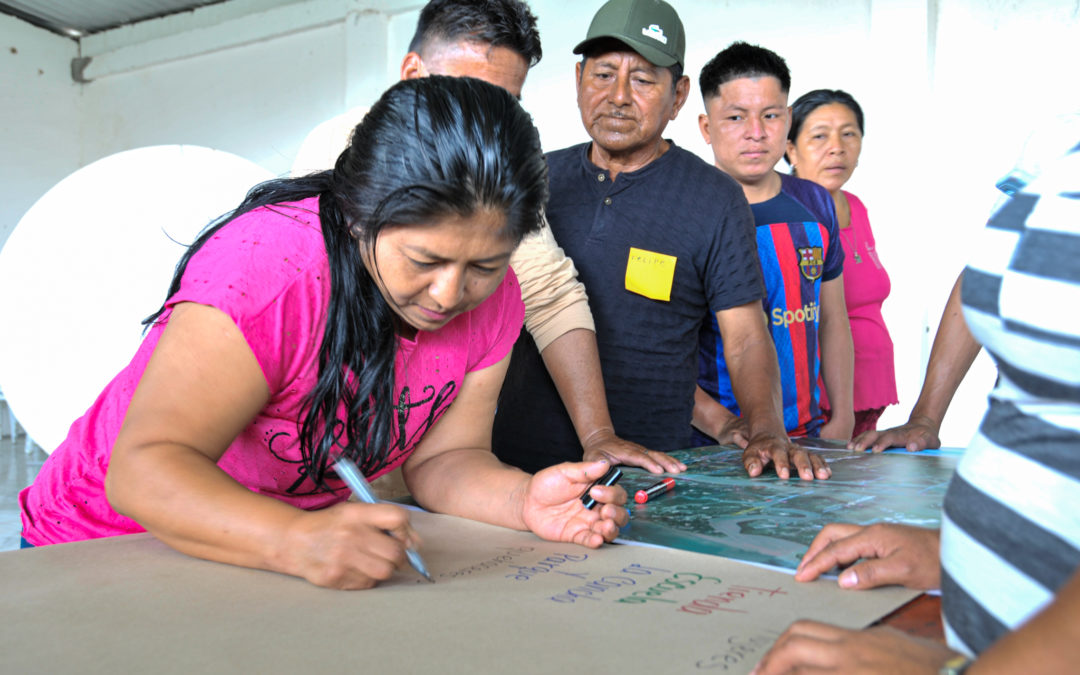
[[89, 261]]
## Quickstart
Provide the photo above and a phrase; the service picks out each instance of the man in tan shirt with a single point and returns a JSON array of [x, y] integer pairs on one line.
[[497, 41]]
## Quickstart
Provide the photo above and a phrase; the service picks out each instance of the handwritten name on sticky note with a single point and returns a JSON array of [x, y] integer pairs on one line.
[[650, 274]]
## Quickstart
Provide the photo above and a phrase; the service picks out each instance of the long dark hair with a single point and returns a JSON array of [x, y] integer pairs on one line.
[[428, 148]]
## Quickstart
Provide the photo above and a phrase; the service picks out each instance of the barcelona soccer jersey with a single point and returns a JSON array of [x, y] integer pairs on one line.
[[798, 251]]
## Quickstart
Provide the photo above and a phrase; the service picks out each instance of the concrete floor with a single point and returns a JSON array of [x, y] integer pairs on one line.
[[17, 470]]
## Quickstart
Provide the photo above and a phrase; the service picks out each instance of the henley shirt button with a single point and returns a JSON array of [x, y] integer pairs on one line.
[[601, 177], [607, 201]]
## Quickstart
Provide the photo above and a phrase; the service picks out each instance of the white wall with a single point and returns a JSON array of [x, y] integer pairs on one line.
[[39, 114], [251, 77], [250, 82], [950, 89], [254, 100]]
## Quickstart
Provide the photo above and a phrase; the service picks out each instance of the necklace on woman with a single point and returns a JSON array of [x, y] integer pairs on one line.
[[854, 242], [843, 213]]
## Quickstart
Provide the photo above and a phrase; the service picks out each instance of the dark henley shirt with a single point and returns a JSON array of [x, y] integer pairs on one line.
[[677, 206]]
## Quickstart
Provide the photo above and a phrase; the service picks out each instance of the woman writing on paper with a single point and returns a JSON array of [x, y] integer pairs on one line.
[[339, 314]]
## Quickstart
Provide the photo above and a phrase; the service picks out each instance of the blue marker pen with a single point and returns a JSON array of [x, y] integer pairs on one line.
[[356, 482]]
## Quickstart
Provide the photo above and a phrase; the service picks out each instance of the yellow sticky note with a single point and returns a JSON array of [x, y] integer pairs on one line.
[[650, 274]]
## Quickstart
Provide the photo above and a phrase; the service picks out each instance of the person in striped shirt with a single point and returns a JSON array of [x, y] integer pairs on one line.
[[1009, 545]]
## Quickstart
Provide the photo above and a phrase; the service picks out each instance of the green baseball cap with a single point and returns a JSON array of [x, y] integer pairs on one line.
[[651, 28]]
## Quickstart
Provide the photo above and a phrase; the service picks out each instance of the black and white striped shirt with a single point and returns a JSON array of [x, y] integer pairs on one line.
[[1010, 533]]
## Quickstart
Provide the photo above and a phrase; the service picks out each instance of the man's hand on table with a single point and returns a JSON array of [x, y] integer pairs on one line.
[[783, 454], [606, 445], [890, 554], [919, 433]]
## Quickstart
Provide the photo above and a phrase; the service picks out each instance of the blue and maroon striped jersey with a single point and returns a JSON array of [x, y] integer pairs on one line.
[[799, 248]]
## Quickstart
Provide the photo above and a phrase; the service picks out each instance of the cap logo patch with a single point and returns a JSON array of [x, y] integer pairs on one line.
[[655, 32]]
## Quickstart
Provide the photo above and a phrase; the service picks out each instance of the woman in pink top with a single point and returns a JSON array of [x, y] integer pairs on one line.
[[823, 146], [335, 315]]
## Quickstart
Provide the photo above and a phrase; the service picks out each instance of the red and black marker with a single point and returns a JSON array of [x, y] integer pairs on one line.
[[665, 485]]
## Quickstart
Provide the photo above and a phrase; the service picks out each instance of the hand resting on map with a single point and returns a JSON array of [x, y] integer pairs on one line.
[[784, 455], [890, 554], [604, 444], [919, 433]]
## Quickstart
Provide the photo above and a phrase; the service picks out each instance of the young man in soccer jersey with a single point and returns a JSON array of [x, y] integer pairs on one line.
[[746, 120]]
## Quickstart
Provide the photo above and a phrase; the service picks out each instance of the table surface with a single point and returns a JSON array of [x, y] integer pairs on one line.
[[132, 604], [108, 593], [921, 617], [716, 508]]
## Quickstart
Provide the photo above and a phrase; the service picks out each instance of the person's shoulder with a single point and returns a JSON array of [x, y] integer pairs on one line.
[[687, 160], [859, 215], [811, 196], [854, 201], [506, 296], [688, 163], [565, 155], [694, 186], [294, 219], [290, 231], [793, 185], [264, 257]]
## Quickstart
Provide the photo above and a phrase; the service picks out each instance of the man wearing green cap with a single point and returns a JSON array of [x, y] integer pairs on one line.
[[497, 41], [659, 238]]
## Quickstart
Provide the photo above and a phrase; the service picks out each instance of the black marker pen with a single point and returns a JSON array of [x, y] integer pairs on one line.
[[610, 478]]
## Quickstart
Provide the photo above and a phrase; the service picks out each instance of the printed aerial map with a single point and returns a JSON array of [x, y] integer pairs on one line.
[[716, 508]]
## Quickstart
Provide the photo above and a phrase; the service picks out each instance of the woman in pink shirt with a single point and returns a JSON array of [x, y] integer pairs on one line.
[[335, 315], [823, 146]]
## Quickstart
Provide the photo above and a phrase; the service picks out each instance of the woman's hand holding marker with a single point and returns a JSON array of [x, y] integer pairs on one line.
[[553, 506]]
